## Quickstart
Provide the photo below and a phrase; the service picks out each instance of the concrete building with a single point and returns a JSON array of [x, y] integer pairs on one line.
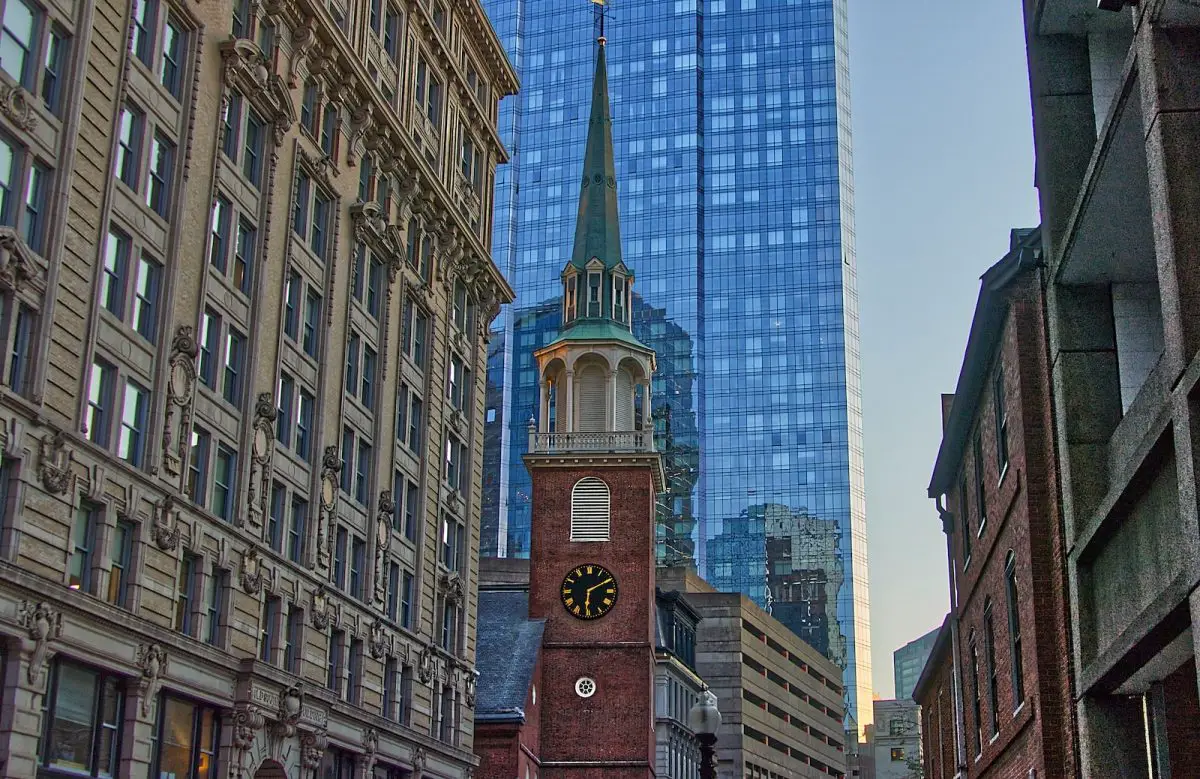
[[677, 687], [246, 283], [996, 485], [896, 740], [936, 692], [1115, 90], [909, 660], [780, 699]]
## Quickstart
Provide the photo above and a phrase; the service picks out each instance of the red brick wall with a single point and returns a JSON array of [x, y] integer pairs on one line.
[[1022, 517], [617, 650], [937, 719]]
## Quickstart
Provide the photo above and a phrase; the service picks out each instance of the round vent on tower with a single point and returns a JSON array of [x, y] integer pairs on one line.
[[589, 510]]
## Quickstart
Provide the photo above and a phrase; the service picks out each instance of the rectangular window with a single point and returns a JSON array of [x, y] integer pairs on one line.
[[198, 466], [312, 323], [130, 126], [406, 602], [989, 640], [367, 395], [21, 357], [414, 425], [317, 238], [304, 425], [329, 123], [308, 108], [352, 352], [980, 502], [186, 591], [291, 305], [358, 271], [339, 558], [185, 740], [235, 358], [293, 650], [145, 297], [300, 217], [420, 327], [450, 627], [252, 158], [347, 482], [158, 183], [33, 226], [411, 509], [272, 607], [224, 482], [964, 510], [391, 34], [277, 520], [374, 283], [977, 709], [243, 256], [362, 473], [391, 672], [354, 671], [57, 50], [376, 7], [406, 683], [170, 70], [337, 646], [297, 530], [100, 402], [121, 559], [1001, 422], [214, 601], [210, 344], [392, 600], [1014, 631], [222, 214], [593, 294], [454, 462], [83, 715], [87, 520], [285, 394], [453, 542], [19, 39], [358, 561], [231, 126], [136, 407], [116, 272], [241, 19]]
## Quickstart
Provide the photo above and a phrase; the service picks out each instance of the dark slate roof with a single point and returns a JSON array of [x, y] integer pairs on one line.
[[506, 653]]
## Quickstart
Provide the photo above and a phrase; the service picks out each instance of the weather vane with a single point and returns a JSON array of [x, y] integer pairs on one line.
[[601, 13]]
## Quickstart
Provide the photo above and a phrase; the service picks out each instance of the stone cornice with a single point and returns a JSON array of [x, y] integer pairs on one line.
[[488, 44]]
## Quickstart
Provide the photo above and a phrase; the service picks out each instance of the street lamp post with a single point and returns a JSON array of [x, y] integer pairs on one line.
[[705, 719]]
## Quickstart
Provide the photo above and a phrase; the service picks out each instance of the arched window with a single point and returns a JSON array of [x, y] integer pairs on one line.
[[589, 510], [976, 708], [989, 640], [624, 411], [1014, 629]]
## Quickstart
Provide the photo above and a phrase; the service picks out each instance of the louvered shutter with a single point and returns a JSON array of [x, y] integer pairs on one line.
[[589, 510], [624, 411], [591, 400]]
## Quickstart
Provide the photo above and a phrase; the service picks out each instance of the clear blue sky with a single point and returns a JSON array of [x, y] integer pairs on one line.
[[943, 169]]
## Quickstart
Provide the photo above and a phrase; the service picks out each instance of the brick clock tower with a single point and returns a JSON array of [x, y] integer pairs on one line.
[[595, 474]]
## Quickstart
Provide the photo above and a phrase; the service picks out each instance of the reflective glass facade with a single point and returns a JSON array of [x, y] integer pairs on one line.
[[732, 132]]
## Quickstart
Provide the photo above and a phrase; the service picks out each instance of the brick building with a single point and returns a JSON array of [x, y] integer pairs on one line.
[[245, 283], [937, 695], [1115, 88], [995, 481]]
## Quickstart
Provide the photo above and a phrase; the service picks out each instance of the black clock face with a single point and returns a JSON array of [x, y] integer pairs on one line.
[[589, 591]]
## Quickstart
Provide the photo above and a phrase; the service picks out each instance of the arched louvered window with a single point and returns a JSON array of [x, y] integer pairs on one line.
[[592, 405], [624, 410], [589, 510]]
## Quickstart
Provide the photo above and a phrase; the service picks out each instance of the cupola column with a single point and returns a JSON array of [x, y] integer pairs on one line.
[[544, 390], [570, 403], [647, 423], [611, 412]]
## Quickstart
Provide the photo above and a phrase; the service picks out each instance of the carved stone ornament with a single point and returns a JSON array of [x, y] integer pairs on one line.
[[181, 384], [405, 194], [303, 39], [247, 68], [369, 222], [14, 103], [16, 266], [248, 720], [331, 469], [291, 701], [262, 449], [312, 749], [165, 526], [419, 761], [383, 540], [453, 586], [42, 624], [370, 743], [377, 642], [320, 609], [252, 572], [361, 123], [471, 683], [152, 659], [54, 463], [425, 664]]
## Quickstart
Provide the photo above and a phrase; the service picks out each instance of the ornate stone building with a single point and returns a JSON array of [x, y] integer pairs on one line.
[[245, 284]]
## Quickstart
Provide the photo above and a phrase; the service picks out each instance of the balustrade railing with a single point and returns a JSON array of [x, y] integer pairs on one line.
[[619, 441]]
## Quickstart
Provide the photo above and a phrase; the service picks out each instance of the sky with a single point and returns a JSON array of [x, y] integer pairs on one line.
[[943, 169]]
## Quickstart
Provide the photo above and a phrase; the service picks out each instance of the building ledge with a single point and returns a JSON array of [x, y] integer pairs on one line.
[[619, 442]]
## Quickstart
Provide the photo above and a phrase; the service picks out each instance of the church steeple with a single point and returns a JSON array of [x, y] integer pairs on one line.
[[597, 285]]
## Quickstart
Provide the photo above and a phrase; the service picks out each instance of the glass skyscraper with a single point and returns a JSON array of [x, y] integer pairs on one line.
[[731, 121]]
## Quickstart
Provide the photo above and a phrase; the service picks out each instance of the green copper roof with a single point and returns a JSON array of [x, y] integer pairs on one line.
[[597, 330], [597, 228]]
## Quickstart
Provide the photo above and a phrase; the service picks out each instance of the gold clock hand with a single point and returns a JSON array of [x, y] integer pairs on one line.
[[601, 584]]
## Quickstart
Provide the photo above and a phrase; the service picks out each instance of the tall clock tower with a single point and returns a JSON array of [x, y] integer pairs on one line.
[[595, 473]]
